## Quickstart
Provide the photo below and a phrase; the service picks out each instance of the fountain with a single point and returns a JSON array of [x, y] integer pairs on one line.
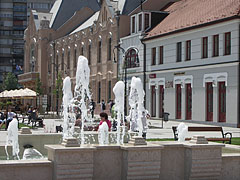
[[68, 122], [31, 153], [123, 161], [182, 130], [12, 139], [118, 91], [137, 111]]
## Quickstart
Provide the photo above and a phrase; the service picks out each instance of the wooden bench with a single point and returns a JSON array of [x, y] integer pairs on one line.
[[225, 136]]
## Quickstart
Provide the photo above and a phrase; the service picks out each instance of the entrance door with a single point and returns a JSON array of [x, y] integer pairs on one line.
[[153, 101], [188, 102], [178, 101], [221, 102], [209, 101], [161, 101]]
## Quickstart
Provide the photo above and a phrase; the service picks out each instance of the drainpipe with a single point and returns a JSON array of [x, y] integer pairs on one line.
[[118, 41], [238, 123], [144, 69]]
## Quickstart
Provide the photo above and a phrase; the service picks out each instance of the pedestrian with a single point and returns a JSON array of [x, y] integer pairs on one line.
[[145, 116], [103, 106], [10, 116], [104, 118], [92, 107]]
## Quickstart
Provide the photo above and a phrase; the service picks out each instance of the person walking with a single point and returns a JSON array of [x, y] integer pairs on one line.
[[103, 106], [92, 107]]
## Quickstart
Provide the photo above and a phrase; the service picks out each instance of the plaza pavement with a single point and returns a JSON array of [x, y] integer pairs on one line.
[[155, 131]]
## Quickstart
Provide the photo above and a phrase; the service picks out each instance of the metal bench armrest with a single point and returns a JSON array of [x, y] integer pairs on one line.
[[230, 134]]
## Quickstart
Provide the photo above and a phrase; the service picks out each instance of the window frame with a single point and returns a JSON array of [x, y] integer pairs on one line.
[[227, 43], [154, 54], [215, 49], [161, 54], [132, 59], [109, 55], [188, 50], [179, 52], [133, 24], [99, 51], [204, 47]]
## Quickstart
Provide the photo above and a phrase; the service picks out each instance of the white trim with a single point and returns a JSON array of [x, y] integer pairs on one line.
[[214, 78], [183, 80], [156, 82]]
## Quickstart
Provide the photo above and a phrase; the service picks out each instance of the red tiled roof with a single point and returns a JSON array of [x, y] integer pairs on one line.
[[188, 13]]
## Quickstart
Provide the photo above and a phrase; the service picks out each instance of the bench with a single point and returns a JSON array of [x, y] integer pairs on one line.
[[225, 136]]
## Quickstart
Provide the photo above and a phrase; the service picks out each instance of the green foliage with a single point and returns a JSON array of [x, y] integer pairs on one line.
[[10, 82], [39, 89], [59, 85]]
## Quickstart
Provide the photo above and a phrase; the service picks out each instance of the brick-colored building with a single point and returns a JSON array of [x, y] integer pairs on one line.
[[54, 40]]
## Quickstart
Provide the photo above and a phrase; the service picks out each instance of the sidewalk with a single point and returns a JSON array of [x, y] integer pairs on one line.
[[166, 132]]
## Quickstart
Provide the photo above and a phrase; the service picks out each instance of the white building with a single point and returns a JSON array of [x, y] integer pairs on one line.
[[192, 62]]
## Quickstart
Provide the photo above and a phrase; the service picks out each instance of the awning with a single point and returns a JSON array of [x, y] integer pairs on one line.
[[18, 94]]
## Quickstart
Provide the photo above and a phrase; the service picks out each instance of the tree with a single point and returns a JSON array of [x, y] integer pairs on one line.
[[58, 89], [10, 82], [39, 89]]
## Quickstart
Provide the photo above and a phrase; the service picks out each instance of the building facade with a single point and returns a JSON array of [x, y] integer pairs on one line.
[[193, 64], [90, 30], [13, 19]]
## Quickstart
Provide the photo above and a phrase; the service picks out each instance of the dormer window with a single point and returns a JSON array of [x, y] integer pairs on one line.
[[140, 22], [133, 24], [146, 21]]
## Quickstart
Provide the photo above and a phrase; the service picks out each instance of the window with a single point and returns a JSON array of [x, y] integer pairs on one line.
[[215, 45], [153, 56], [140, 22], [132, 59], [109, 49], [75, 57], [89, 54], [109, 90], [133, 24], [205, 47], [68, 60], [179, 51], [99, 51], [57, 61], [82, 49], [62, 63], [146, 21], [188, 50], [99, 92], [161, 55], [227, 47]]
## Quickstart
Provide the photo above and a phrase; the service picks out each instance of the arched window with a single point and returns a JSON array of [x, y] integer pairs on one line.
[[132, 59]]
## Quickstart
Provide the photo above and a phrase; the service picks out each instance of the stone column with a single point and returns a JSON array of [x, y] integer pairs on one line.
[[203, 161], [71, 162], [141, 162]]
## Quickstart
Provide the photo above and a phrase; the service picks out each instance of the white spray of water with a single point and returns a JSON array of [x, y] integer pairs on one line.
[[12, 138], [182, 131], [118, 91], [67, 97], [103, 134], [136, 100], [82, 89], [31, 153]]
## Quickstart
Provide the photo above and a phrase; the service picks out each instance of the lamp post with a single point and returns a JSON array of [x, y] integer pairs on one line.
[[56, 66], [125, 66]]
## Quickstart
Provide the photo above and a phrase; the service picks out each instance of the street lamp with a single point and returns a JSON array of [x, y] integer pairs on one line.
[[56, 66], [125, 66]]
